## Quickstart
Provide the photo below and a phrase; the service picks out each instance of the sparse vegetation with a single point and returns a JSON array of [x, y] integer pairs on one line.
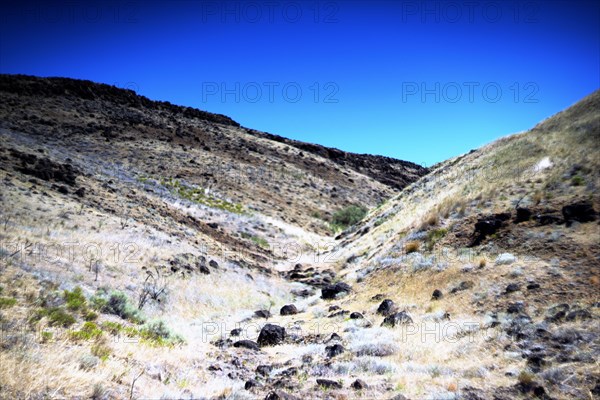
[[6, 302], [412, 247], [347, 216]]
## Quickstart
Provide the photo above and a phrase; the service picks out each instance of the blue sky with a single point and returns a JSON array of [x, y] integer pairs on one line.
[[415, 80]]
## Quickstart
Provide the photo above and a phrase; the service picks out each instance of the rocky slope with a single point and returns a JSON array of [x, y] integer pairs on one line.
[[144, 255]]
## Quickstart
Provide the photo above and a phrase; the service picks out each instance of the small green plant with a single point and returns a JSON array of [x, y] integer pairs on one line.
[[6, 302], [434, 235], [577, 180], [90, 316], [75, 300], [114, 328], [57, 316], [88, 331], [46, 336], [347, 216]]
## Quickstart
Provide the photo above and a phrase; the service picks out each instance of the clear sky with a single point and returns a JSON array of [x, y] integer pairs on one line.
[[415, 80]]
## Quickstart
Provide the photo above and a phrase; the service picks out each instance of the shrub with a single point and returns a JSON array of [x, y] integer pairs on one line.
[[118, 304], [88, 331], [411, 247], [577, 180], [113, 328], [46, 336], [56, 316], [6, 302], [348, 216], [88, 361], [159, 333], [434, 235], [75, 300], [90, 316]]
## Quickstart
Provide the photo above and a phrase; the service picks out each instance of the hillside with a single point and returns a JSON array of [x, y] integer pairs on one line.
[[157, 251]]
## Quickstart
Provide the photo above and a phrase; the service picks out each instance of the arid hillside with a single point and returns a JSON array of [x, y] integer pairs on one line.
[[151, 251]]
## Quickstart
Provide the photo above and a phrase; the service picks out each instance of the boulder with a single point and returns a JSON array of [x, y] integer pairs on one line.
[[329, 384], [359, 385], [523, 214], [386, 307], [400, 318], [505, 259], [335, 290], [437, 294], [582, 211], [271, 335], [334, 350], [288, 309], [246, 344], [266, 314], [356, 315]]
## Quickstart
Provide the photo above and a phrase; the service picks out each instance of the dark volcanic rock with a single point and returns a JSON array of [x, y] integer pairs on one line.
[[288, 309], [578, 315], [264, 370], [464, 285], [246, 344], [334, 350], [266, 314], [271, 335], [523, 214], [356, 315], [359, 385], [487, 226], [437, 294], [582, 211], [397, 319], [512, 287], [332, 291], [386, 307], [329, 384], [279, 395], [251, 383], [236, 332]]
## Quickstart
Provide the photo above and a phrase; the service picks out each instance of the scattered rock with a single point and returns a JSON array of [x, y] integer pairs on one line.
[[266, 314], [582, 211], [329, 384], [251, 384], [236, 332], [377, 297], [247, 344], [80, 192], [523, 214], [334, 336], [213, 264], [512, 287], [464, 285], [279, 395], [516, 308], [386, 307], [505, 259], [334, 350], [533, 286], [397, 319], [578, 315], [437, 294], [488, 226], [335, 290], [264, 370], [359, 385], [356, 315], [288, 309], [271, 335]]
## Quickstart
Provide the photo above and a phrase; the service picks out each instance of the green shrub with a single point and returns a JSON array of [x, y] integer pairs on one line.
[[158, 333], [57, 316], [114, 328], [46, 336], [90, 316], [118, 304], [6, 302], [88, 331], [75, 300], [348, 216], [101, 350], [577, 180]]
